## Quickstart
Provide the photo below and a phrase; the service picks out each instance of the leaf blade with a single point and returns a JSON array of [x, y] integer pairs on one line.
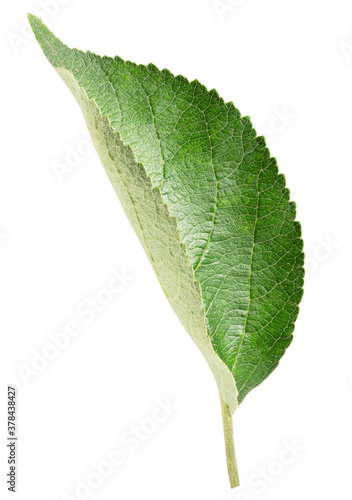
[[219, 183]]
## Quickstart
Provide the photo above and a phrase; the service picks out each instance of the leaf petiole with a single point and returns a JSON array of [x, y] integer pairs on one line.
[[229, 444]]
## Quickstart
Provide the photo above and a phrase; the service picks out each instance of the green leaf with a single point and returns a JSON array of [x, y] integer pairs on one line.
[[208, 205]]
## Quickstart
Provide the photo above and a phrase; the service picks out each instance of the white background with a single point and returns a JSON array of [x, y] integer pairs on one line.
[[60, 239]]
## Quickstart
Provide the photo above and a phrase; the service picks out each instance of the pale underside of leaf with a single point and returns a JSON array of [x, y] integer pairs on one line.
[[207, 203]]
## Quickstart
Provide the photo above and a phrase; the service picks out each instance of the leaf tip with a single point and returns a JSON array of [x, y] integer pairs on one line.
[[49, 43], [34, 21], [37, 25]]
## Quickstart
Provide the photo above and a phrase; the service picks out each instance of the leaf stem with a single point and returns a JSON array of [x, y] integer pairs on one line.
[[229, 444]]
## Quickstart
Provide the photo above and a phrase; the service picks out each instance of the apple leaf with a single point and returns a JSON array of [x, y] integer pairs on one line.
[[208, 205]]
